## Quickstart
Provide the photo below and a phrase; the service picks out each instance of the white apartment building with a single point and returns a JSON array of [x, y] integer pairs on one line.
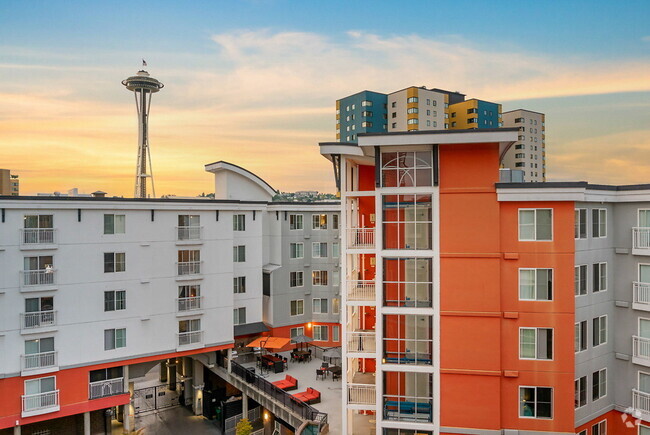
[[529, 152]]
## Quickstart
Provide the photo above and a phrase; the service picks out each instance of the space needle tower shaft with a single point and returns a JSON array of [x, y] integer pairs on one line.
[[143, 86]]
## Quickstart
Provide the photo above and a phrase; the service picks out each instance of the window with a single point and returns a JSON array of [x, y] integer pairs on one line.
[[320, 306], [406, 169], [366, 113], [412, 121], [319, 277], [428, 123], [39, 353], [599, 330], [408, 396], [335, 222], [428, 112], [408, 339], [453, 114], [535, 402], [38, 229], [600, 277], [114, 223], [336, 278], [366, 103], [189, 332], [536, 343], [295, 279], [35, 387], [319, 249], [644, 218], [580, 392], [599, 384], [189, 262], [412, 100], [297, 307], [580, 230], [535, 224], [321, 333], [393, 104], [580, 342], [114, 338], [394, 125], [581, 280], [408, 282], [599, 222], [319, 222], [239, 222], [394, 115], [239, 254], [536, 284], [520, 164], [407, 221], [114, 262], [295, 222], [336, 333], [428, 101], [412, 110], [296, 250], [104, 389], [366, 123], [336, 305], [294, 332], [336, 250], [600, 428], [453, 124], [189, 227], [239, 284], [520, 156], [472, 121], [239, 316], [435, 103], [115, 300], [188, 294]]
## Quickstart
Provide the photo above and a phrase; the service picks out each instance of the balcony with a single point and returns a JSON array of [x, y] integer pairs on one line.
[[36, 363], [640, 241], [362, 394], [641, 350], [641, 402], [37, 238], [361, 291], [361, 238], [42, 403], [34, 280], [189, 304], [37, 319], [641, 296], [193, 338], [109, 387], [361, 342], [188, 269], [188, 234]]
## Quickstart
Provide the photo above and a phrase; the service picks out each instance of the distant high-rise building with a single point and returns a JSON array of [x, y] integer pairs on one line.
[[529, 153], [363, 112], [9, 184]]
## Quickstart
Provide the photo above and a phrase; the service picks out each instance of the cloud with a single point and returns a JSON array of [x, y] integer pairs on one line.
[[646, 38]]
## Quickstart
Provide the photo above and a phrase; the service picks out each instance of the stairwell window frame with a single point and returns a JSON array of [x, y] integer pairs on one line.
[[534, 225]]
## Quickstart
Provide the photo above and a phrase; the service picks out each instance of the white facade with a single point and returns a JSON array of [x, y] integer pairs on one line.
[[529, 152]]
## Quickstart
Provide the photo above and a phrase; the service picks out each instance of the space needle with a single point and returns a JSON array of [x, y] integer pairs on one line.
[[143, 86]]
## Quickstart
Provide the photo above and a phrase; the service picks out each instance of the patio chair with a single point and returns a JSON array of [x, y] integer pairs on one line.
[[286, 363], [321, 373], [336, 376]]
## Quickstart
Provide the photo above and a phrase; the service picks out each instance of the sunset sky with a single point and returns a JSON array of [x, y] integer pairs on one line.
[[255, 83]]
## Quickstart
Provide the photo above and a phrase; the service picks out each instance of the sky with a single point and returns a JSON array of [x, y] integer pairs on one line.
[[254, 82]]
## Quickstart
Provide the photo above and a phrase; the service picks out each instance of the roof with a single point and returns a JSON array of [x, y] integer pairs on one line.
[[525, 110], [222, 165], [572, 184], [251, 328], [414, 132]]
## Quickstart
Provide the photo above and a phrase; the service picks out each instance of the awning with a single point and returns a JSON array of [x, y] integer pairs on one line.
[[269, 342], [270, 267], [251, 328]]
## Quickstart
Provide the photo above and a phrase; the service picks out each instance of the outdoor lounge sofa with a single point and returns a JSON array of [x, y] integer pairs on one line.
[[286, 384], [310, 396]]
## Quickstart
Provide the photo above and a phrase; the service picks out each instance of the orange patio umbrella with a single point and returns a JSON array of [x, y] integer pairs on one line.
[[269, 342]]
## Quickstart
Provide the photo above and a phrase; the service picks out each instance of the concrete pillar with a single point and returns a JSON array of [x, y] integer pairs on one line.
[[16, 430], [129, 414], [86, 423], [230, 360], [187, 382], [197, 386], [163, 372], [244, 405], [171, 374]]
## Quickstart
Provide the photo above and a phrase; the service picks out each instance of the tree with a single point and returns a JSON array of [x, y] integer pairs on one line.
[[244, 427]]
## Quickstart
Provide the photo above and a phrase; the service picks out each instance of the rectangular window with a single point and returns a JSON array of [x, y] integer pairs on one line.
[[336, 278], [535, 284], [408, 339], [600, 277], [239, 316], [335, 222], [412, 121], [239, 284], [599, 330], [114, 262], [580, 225], [336, 333], [580, 392], [295, 332], [114, 338], [336, 305], [189, 291], [580, 287], [296, 250], [114, 224], [599, 222], [599, 384], [536, 402], [297, 307], [580, 342], [189, 227], [600, 428], [114, 300], [239, 254], [320, 306], [189, 262], [319, 221], [535, 225], [40, 386], [408, 282], [321, 333], [366, 103], [239, 222], [336, 250], [412, 100], [295, 222], [412, 110], [319, 277], [536, 343], [407, 221], [367, 114], [407, 168], [319, 250], [295, 279]]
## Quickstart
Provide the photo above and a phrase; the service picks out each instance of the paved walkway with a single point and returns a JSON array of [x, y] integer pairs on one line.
[[171, 421]]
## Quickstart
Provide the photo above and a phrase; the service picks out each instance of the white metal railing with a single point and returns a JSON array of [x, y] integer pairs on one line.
[[35, 402], [189, 267], [38, 277], [641, 347], [37, 319], [185, 338], [39, 360], [361, 394], [641, 401], [189, 233], [191, 303], [106, 388], [361, 237], [361, 342], [361, 290], [37, 236], [641, 238], [641, 293]]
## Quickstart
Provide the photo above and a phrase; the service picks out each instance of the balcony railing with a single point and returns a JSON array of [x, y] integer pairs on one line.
[[361, 238], [38, 277], [37, 236], [187, 304], [37, 319], [641, 401], [189, 268], [361, 342], [187, 338], [640, 239], [189, 233], [39, 360], [41, 401], [361, 291], [109, 387], [641, 295], [641, 348], [361, 394]]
